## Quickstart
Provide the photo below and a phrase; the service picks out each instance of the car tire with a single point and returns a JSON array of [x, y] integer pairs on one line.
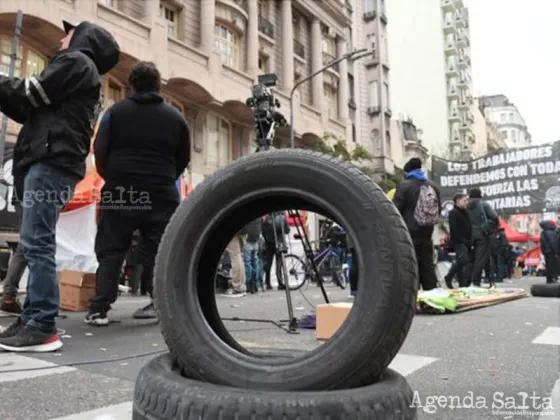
[[162, 393], [239, 193], [546, 290]]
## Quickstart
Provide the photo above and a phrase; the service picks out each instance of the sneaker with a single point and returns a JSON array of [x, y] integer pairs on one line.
[[10, 305], [234, 293], [147, 312], [31, 339], [99, 318], [12, 329]]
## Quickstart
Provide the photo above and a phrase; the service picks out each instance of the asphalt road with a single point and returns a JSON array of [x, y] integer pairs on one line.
[[488, 355]]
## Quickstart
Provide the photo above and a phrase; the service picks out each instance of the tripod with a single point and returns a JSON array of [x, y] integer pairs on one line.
[[267, 119]]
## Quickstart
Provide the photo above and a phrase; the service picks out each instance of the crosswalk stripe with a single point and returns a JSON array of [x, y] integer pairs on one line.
[[554, 413], [406, 364], [550, 336], [112, 412], [10, 362]]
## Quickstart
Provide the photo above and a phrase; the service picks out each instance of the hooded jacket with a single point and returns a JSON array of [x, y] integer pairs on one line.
[[59, 107], [406, 198], [459, 227], [549, 238], [474, 209]]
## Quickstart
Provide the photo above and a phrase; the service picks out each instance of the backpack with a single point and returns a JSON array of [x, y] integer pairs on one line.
[[488, 226], [426, 212]]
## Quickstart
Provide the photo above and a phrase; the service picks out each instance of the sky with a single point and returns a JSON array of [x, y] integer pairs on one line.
[[515, 50]]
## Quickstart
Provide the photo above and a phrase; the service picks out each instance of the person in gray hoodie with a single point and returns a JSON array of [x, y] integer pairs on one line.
[[484, 222]]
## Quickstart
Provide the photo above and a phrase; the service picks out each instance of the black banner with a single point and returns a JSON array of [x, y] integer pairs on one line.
[[8, 217], [514, 181]]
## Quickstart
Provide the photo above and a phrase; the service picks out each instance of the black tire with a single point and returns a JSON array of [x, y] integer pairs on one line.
[[546, 290], [259, 184], [290, 260], [161, 393]]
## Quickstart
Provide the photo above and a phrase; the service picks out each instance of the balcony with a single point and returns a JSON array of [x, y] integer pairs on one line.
[[373, 110], [463, 41], [266, 27], [241, 3], [451, 48], [454, 115], [460, 21], [299, 49], [449, 26], [459, 4], [447, 5], [464, 83], [465, 127], [464, 62], [453, 93], [371, 15], [328, 58], [470, 117], [452, 71], [464, 105]]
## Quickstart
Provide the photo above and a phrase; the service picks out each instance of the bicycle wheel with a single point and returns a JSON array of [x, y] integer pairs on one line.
[[296, 268]]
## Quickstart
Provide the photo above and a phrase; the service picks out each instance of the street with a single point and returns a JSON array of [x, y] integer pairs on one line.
[[477, 361]]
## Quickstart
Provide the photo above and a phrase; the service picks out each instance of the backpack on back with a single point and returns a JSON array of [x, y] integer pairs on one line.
[[426, 212]]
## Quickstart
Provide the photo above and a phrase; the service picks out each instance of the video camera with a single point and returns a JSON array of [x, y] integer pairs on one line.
[[265, 114]]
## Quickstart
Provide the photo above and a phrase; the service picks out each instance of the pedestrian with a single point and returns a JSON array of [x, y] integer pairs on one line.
[[250, 255], [275, 228], [460, 241], [550, 249], [142, 147], [58, 110], [484, 222], [18, 263], [418, 200], [499, 245], [235, 251]]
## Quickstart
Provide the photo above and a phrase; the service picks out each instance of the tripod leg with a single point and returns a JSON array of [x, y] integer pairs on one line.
[[292, 321]]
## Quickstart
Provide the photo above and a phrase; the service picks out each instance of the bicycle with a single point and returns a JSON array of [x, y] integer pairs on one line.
[[301, 269]]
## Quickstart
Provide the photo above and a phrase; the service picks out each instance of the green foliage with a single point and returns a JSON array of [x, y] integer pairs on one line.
[[391, 181], [333, 145]]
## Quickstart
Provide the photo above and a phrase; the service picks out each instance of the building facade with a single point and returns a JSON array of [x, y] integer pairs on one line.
[[429, 45], [487, 136], [209, 53], [506, 116], [370, 107], [406, 143]]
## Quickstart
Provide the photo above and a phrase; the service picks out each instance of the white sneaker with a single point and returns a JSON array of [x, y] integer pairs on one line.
[[234, 293]]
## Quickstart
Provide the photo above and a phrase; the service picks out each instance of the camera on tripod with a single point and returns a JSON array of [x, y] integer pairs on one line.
[[265, 110]]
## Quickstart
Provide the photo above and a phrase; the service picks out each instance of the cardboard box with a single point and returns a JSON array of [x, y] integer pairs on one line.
[[329, 318], [517, 272], [76, 288]]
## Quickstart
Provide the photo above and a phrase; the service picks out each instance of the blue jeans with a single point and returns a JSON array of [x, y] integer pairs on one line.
[[47, 189], [250, 260]]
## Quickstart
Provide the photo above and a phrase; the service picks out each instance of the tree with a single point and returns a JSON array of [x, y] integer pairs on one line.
[[391, 181], [333, 145]]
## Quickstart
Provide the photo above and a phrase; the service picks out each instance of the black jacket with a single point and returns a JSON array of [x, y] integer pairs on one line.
[[475, 208], [59, 107], [549, 238], [459, 227], [405, 199], [499, 243], [142, 141], [254, 230]]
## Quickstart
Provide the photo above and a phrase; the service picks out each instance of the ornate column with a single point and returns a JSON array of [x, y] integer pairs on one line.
[[287, 46], [253, 39], [343, 81], [317, 63], [207, 25]]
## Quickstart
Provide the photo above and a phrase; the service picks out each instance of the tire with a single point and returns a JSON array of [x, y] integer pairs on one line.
[[161, 393], [291, 261], [546, 290], [244, 190]]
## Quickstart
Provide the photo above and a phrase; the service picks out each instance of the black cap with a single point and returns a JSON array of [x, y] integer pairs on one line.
[[68, 26], [412, 164]]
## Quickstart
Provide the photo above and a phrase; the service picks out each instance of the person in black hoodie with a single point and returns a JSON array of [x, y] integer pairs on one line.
[[251, 255], [407, 200], [141, 149], [550, 248], [484, 222], [58, 109], [460, 239]]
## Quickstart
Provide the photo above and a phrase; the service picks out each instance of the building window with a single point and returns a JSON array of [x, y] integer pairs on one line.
[[386, 96], [511, 117], [351, 87], [331, 99], [354, 137], [264, 64], [374, 94], [263, 8], [28, 63], [110, 3], [369, 6], [503, 118], [329, 46], [114, 92], [227, 43], [514, 135], [170, 15], [504, 134], [218, 146]]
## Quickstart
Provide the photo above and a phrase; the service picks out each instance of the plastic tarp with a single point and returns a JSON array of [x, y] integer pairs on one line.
[[75, 239]]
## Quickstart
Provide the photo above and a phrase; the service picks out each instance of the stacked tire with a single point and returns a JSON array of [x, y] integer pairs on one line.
[[546, 290], [208, 375]]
